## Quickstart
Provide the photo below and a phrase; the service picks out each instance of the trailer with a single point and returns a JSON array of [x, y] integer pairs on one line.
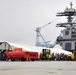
[[19, 54]]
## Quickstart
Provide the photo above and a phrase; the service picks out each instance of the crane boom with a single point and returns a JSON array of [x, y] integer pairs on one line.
[[45, 25], [48, 23]]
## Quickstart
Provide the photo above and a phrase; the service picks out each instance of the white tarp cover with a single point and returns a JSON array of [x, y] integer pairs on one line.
[[38, 49]]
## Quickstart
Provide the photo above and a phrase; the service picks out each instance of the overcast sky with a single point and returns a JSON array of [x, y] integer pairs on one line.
[[20, 18]]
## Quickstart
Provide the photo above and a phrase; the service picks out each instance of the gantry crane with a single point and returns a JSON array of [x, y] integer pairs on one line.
[[39, 35]]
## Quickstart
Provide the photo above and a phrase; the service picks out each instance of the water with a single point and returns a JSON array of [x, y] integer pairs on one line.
[[38, 68]]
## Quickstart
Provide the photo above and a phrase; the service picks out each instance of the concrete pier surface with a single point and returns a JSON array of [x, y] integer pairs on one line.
[[38, 68]]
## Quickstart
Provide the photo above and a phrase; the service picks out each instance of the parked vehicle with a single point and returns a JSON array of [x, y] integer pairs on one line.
[[19, 54], [45, 54]]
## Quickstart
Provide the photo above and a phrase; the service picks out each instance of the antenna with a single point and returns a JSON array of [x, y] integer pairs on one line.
[[71, 4]]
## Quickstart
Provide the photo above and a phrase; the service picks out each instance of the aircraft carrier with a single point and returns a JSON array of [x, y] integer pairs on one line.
[[67, 37]]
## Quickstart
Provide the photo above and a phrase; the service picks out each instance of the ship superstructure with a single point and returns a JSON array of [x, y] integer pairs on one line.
[[67, 39]]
